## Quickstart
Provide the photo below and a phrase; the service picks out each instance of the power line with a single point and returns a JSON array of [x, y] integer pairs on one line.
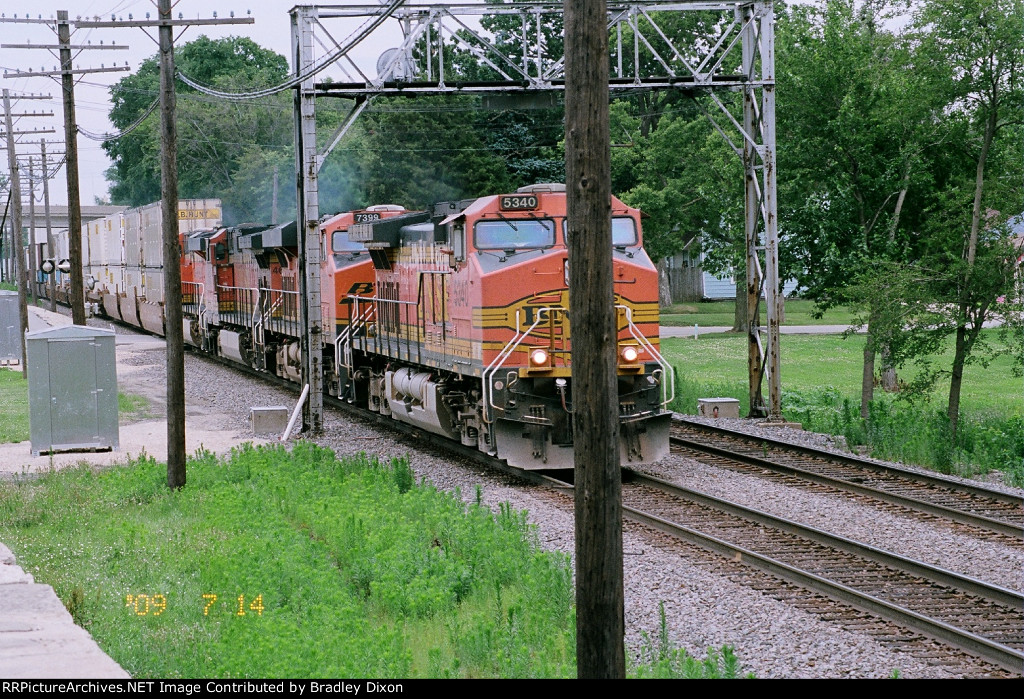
[[353, 39]]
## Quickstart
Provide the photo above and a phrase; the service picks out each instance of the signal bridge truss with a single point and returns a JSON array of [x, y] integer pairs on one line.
[[512, 52]]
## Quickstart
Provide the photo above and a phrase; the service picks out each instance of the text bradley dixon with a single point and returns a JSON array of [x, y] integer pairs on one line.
[[189, 688]]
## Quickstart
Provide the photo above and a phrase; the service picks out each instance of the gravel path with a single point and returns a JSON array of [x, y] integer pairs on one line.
[[704, 607]]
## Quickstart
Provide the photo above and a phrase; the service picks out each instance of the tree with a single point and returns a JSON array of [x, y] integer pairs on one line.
[[855, 116], [214, 135], [979, 42]]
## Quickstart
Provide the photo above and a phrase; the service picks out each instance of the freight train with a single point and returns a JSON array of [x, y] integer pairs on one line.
[[454, 320]]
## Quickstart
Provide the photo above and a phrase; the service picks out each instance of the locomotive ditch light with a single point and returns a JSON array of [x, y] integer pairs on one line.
[[629, 354], [539, 357]]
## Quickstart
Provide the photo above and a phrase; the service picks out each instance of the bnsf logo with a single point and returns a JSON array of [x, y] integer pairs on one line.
[[357, 289]]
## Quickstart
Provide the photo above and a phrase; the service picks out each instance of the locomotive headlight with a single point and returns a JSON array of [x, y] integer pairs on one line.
[[629, 354], [538, 357]]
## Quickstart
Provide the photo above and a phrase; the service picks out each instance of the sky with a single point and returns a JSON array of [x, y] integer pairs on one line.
[[271, 29]]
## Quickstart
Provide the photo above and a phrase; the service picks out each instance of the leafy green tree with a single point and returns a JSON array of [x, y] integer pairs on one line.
[[978, 44], [212, 134], [854, 116]]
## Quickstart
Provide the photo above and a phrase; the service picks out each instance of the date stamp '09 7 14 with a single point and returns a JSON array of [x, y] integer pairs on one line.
[[155, 605]]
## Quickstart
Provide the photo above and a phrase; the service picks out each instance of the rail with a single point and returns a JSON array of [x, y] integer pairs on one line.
[[398, 329], [193, 302]]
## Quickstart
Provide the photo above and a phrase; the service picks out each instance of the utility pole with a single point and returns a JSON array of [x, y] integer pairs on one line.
[[51, 277], [67, 81], [173, 330], [273, 203], [16, 249], [67, 73], [600, 623], [32, 229]]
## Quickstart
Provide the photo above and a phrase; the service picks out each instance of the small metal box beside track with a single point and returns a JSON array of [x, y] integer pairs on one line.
[[72, 389], [718, 407], [268, 419]]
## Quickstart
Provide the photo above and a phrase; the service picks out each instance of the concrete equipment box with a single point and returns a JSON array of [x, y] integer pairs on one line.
[[72, 389], [718, 407], [10, 327], [268, 419]]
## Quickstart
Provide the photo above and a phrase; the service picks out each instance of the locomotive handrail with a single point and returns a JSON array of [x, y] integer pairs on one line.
[[357, 320], [505, 353], [667, 392], [200, 306]]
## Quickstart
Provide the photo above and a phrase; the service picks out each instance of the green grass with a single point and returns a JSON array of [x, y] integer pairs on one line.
[[821, 377], [131, 407], [720, 313], [320, 567], [13, 406], [7, 286]]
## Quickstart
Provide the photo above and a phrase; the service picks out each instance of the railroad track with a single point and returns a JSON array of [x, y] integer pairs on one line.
[[974, 616], [983, 509], [959, 612]]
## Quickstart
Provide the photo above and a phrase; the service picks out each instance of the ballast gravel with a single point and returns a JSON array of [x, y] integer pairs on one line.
[[706, 607]]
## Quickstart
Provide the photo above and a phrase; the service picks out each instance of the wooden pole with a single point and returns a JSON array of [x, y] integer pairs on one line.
[[32, 230], [600, 625], [273, 203], [16, 248], [52, 276], [77, 295], [173, 332], [307, 215]]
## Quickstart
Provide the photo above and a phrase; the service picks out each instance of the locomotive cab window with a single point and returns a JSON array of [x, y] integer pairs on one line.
[[514, 234], [341, 244], [623, 232]]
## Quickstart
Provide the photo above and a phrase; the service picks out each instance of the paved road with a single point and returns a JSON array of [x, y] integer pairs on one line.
[[691, 330]]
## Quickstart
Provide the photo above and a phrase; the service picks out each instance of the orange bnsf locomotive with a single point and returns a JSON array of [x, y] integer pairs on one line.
[[454, 320], [468, 333]]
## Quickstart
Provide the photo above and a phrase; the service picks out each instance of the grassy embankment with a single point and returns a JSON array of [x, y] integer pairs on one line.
[[821, 377], [320, 568]]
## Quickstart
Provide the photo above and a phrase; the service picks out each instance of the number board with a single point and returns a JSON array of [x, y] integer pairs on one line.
[[517, 202], [363, 218]]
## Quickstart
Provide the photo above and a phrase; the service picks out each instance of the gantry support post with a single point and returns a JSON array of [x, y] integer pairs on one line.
[[308, 219]]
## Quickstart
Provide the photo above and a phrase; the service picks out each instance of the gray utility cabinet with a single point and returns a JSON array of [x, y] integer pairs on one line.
[[72, 389], [10, 327]]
